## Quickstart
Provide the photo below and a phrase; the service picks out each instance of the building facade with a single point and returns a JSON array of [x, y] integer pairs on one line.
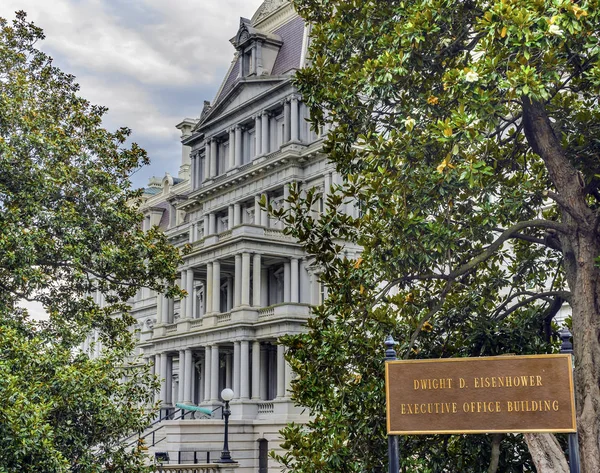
[[247, 282]]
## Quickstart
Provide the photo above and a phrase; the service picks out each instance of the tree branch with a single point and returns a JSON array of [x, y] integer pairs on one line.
[[498, 315]]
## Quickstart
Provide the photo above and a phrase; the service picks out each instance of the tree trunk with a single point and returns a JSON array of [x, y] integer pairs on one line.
[[581, 247], [495, 456], [547, 455]]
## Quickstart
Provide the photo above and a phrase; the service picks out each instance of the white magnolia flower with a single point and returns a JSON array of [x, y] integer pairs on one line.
[[555, 30], [471, 76], [409, 123]]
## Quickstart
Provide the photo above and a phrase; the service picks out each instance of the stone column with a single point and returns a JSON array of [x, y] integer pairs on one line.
[[189, 376], [214, 374], [238, 146], [193, 172], [216, 287], [294, 289], [229, 293], [192, 233], [228, 370], [237, 215], [257, 210], [189, 300], [245, 279], [304, 283], [170, 311], [163, 378], [280, 371], [256, 370], [326, 189], [231, 148], [264, 373], [182, 367], [206, 225], [286, 196], [182, 300], [256, 280], [230, 218], [236, 370], [264, 293], [159, 309], [289, 375], [214, 158], [287, 286], [165, 309], [212, 224], [207, 159], [294, 136], [199, 170], [244, 370], [265, 133], [257, 135], [264, 213], [207, 371], [286, 122], [209, 288], [237, 282]]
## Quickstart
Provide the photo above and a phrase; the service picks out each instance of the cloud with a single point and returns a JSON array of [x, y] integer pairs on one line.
[[151, 62]]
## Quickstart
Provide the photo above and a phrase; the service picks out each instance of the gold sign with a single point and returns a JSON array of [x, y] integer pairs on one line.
[[532, 393]]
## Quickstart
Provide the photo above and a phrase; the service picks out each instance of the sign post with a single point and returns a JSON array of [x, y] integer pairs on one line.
[[393, 454], [567, 347], [500, 394]]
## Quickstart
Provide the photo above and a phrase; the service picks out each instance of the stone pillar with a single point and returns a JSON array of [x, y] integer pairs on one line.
[[244, 370], [257, 135], [286, 122], [257, 210], [264, 293], [199, 170], [294, 135], [216, 287], [236, 370], [287, 286], [231, 148], [237, 282], [189, 376], [304, 283], [212, 224], [165, 309], [214, 158], [245, 279], [238, 146], [264, 213], [314, 289], [206, 225], [193, 172], [326, 189], [229, 293], [159, 309], [209, 288], [280, 371], [214, 374], [256, 280], [207, 159], [230, 217], [207, 372], [256, 370], [228, 370], [237, 215], [182, 367], [163, 378], [189, 300], [169, 379], [264, 373], [192, 233], [170, 310], [294, 289], [265, 133], [289, 375], [286, 196]]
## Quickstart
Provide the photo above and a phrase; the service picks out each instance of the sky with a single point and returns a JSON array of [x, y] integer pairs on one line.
[[151, 62]]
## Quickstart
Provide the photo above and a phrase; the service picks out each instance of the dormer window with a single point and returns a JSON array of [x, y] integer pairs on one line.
[[254, 47]]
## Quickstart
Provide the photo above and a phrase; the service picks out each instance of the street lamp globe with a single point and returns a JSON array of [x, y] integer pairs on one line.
[[227, 394]]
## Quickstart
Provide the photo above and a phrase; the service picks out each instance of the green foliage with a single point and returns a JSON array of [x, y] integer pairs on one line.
[[69, 226], [461, 223]]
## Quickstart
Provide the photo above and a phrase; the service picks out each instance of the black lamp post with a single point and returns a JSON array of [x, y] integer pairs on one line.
[[226, 395]]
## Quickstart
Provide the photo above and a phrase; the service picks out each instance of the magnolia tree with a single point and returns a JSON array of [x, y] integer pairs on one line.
[[68, 228], [466, 134]]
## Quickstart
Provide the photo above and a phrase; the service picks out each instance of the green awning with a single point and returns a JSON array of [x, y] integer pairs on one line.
[[185, 407]]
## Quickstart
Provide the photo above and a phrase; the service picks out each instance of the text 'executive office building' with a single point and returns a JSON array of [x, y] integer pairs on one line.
[[248, 283]]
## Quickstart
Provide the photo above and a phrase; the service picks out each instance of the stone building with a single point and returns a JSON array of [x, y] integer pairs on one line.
[[248, 283]]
